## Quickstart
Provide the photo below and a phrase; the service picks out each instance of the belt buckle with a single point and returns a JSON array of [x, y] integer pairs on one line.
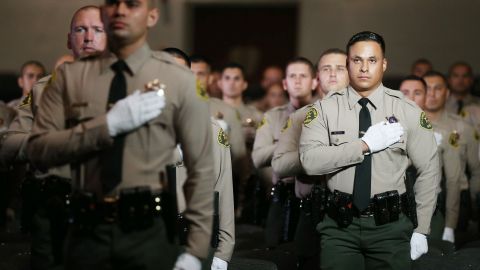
[[110, 209]]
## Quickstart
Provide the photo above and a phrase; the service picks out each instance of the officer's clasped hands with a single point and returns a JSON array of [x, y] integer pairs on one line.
[[187, 261], [382, 135], [134, 111]]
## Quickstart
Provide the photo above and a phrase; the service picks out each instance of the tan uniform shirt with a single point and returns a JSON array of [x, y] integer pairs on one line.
[[240, 159], [286, 159], [460, 137], [6, 116], [250, 117], [224, 186], [14, 141], [329, 144], [79, 92], [452, 103], [267, 136]]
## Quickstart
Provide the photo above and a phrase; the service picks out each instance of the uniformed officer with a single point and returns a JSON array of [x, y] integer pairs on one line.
[[420, 67], [460, 137], [30, 72], [233, 84], [6, 116], [86, 38], [460, 82], [359, 138], [332, 76], [226, 116], [224, 220], [451, 162], [282, 216], [119, 141]]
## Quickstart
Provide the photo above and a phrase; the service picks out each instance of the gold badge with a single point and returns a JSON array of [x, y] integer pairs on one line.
[[26, 100], [155, 85], [262, 123], [201, 91], [310, 116], [424, 122], [454, 138], [287, 125], [463, 113], [223, 138]]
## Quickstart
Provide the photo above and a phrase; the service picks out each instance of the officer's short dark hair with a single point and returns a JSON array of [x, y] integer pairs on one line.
[[176, 52], [330, 51], [32, 63], [414, 78], [461, 63], [301, 60], [196, 58], [234, 65], [366, 36], [434, 73]]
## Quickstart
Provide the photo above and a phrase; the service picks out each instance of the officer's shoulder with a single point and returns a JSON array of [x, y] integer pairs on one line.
[[277, 109], [167, 59], [398, 95], [334, 95]]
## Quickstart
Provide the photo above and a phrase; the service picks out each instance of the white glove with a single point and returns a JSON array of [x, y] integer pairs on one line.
[[418, 245], [133, 111], [187, 262], [382, 135], [438, 138], [448, 235], [219, 264]]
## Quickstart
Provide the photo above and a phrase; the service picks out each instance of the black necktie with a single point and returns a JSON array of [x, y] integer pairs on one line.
[[363, 171], [112, 159], [460, 106]]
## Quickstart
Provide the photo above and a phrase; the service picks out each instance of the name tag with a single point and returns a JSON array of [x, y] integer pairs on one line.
[[337, 132]]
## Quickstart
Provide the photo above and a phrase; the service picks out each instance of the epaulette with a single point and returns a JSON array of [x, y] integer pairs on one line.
[[167, 58]]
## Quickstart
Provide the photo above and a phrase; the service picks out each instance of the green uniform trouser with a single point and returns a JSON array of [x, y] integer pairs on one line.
[[364, 246], [437, 226], [108, 247], [41, 245], [307, 242]]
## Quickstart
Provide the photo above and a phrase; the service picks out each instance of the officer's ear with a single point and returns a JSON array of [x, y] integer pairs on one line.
[[384, 64], [245, 85], [314, 83], [152, 17], [284, 84]]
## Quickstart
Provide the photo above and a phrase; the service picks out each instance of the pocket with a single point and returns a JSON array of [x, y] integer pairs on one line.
[[338, 139]]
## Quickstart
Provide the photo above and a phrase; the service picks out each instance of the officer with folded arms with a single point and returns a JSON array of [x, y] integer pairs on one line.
[[361, 138]]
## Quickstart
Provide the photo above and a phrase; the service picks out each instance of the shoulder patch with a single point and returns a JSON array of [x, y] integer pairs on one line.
[[453, 138], [310, 116], [262, 123], [201, 91], [287, 125], [424, 122], [222, 138], [26, 100]]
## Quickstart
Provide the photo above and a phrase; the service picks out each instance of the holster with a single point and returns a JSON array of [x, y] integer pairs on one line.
[[386, 207], [216, 221], [340, 208], [319, 201]]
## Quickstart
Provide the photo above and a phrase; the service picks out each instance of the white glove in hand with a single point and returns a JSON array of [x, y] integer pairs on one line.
[[448, 235], [219, 264], [133, 111], [418, 245], [382, 135], [438, 138], [187, 262]]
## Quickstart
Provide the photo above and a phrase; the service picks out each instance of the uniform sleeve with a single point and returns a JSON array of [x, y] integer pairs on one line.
[[453, 172], [317, 156], [51, 142], [263, 145], [224, 186], [473, 162], [14, 140], [422, 150], [286, 160], [193, 115]]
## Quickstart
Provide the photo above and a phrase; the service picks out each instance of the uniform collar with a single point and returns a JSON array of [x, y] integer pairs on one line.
[[290, 108], [134, 62], [375, 98]]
